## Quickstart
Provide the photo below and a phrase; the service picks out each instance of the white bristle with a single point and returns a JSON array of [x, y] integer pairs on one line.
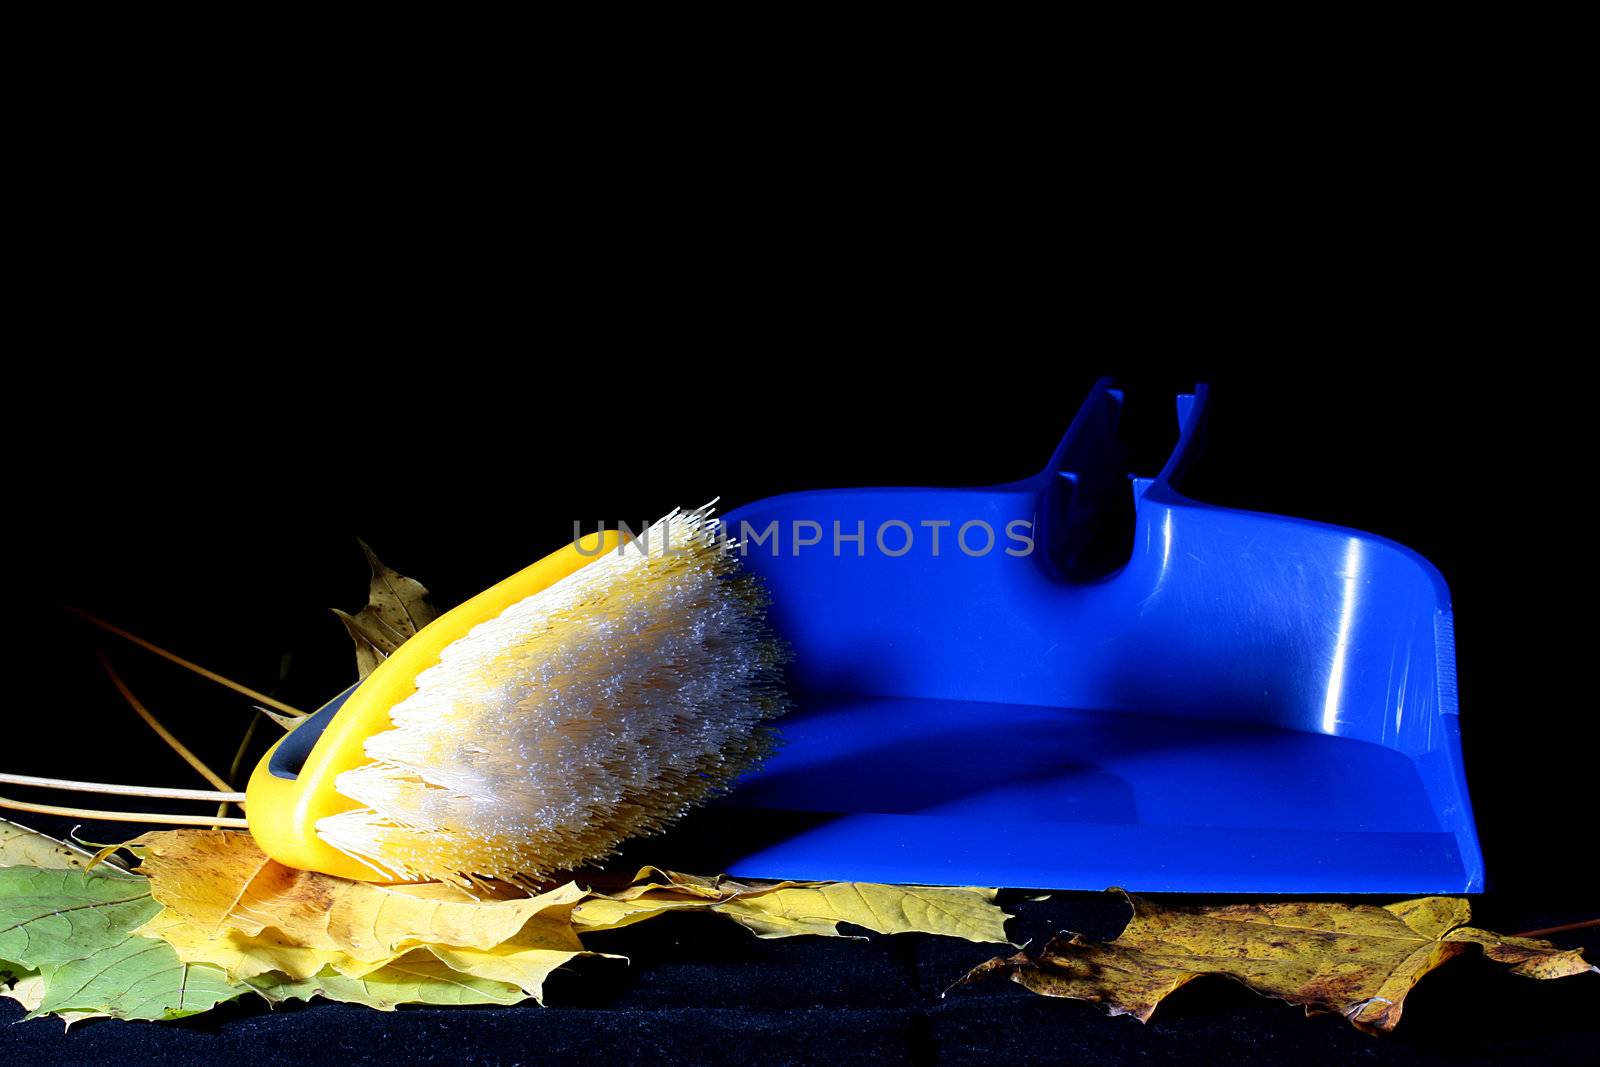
[[599, 709]]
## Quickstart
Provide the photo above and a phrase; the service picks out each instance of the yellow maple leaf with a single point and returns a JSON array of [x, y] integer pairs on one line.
[[524, 961], [225, 903], [818, 908], [244, 956], [221, 880], [784, 909], [605, 913]]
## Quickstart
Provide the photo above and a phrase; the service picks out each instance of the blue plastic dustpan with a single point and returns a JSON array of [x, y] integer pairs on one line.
[[1234, 702]]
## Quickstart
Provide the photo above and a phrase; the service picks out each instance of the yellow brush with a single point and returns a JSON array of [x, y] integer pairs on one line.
[[593, 697]]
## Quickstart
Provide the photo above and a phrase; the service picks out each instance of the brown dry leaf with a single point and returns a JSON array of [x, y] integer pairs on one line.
[[227, 904], [784, 909], [397, 607], [1359, 960]]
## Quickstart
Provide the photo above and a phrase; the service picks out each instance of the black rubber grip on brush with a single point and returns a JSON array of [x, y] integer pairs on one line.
[[293, 751]]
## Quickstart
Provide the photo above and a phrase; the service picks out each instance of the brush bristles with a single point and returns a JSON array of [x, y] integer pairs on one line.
[[597, 710]]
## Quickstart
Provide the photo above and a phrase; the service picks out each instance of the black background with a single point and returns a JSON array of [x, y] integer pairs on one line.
[[232, 370]]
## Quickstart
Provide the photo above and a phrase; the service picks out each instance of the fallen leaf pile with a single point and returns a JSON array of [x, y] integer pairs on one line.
[[1359, 960], [208, 918]]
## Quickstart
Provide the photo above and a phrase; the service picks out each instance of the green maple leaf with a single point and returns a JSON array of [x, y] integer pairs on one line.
[[57, 916], [76, 930], [138, 978]]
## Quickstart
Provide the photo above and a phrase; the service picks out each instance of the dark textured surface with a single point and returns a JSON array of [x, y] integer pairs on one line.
[[699, 990]]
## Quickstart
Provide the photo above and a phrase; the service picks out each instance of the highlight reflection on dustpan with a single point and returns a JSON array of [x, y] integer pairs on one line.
[[1240, 702]]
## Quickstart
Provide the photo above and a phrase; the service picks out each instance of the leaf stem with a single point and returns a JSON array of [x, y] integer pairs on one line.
[[123, 816], [180, 661], [161, 731], [119, 790]]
